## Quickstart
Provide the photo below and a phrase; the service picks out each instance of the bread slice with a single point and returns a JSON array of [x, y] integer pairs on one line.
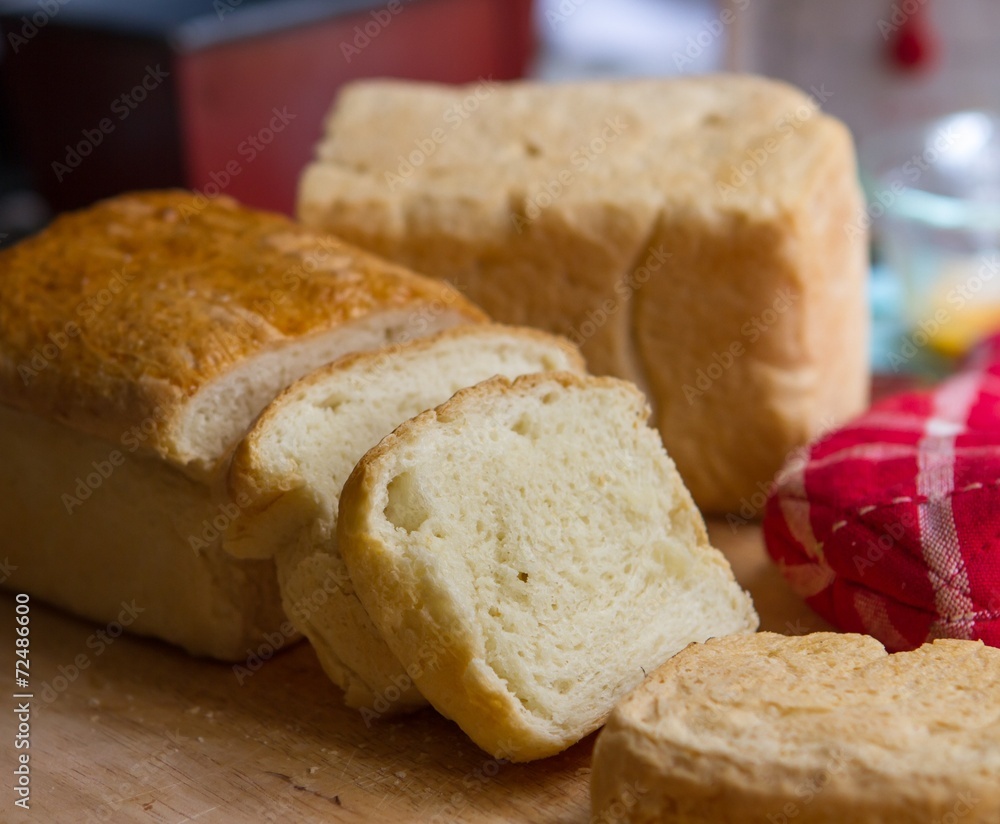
[[815, 729], [139, 338], [534, 540], [290, 469], [702, 237]]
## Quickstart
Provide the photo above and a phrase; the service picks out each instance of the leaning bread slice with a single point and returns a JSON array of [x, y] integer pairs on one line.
[[816, 729], [529, 550], [289, 470]]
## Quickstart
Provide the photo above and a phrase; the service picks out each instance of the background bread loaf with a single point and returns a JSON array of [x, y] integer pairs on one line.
[[690, 234]]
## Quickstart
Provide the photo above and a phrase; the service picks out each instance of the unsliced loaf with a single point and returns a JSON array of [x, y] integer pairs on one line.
[[138, 340], [292, 465], [699, 236], [816, 729], [537, 538]]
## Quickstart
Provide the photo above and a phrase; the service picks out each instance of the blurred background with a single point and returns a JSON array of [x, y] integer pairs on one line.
[[102, 96]]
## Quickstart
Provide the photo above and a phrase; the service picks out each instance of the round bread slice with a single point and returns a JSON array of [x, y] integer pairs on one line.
[[816, 729], [529, 551], [288, 472]]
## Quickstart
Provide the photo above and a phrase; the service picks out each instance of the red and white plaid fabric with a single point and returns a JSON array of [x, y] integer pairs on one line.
[[890, 526]]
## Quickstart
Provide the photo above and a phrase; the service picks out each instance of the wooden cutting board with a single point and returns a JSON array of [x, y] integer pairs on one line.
[[144, 733]]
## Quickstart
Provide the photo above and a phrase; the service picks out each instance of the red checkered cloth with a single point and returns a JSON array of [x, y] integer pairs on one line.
[[890, 526]]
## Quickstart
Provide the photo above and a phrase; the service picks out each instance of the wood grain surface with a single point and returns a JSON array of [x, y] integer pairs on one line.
[[132, 730]]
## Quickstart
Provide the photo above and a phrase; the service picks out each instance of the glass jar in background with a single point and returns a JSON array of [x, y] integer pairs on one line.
[[933, 194]]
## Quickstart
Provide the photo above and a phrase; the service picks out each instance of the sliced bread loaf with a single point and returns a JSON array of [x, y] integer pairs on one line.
[[535, 536], [290, 468], [817, 729], [139, 338]]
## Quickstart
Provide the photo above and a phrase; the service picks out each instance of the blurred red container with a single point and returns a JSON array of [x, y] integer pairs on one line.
[[230, 95]]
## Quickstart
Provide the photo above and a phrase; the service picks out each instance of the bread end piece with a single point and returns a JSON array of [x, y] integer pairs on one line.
[[818, 729]]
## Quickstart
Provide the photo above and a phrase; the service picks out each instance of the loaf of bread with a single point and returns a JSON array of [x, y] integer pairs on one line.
[[815, 729], [528, 551], [701, 237], [292, 465], [139, 339]]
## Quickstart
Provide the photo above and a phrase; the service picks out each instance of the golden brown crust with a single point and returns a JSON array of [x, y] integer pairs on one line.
[[117, 315]]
